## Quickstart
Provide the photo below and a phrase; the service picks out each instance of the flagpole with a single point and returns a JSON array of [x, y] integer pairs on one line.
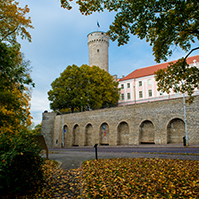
[[98, 25]]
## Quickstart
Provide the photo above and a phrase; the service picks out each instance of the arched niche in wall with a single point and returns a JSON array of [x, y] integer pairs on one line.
[[123, 134], [76, 135], [66, 136], [104, 134], [88, 135], [175, 131], [147, 132]]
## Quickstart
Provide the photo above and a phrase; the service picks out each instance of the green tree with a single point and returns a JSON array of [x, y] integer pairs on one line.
[[163, 23], [179, 77], [37, 129], [87, 86]]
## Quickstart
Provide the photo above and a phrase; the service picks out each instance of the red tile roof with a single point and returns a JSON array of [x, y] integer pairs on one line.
[[146, 71]]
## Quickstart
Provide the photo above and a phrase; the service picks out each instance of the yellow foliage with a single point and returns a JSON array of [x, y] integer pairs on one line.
[[12, 120], [13, 21]]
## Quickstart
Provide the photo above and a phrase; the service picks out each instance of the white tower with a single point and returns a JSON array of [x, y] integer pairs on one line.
[[98, 43]]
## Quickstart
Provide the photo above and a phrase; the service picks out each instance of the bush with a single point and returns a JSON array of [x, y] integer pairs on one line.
[[20, 165]]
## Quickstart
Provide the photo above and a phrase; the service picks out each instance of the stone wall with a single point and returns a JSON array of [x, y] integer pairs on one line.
[[158, 122], [98, 43], [48, 120]]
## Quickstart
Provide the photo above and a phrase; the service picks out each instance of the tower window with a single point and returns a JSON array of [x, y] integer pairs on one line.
[[97, 50]]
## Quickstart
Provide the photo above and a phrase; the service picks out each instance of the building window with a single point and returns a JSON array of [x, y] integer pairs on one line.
[[128, 85], [122, 97], [150, 93], [149, 81], [97, 50], [140, 83], [128, 95], [140, 94], [122, 86]]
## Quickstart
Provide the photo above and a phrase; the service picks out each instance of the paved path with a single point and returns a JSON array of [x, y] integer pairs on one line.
[[73, 158]]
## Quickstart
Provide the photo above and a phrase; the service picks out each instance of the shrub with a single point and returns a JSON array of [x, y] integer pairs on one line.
[[20, 165]]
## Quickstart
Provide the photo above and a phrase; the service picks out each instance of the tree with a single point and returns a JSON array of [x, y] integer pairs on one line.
[[179, 77], [88, 86], [15, 94], [163, 23], [13, 21], [14, 70], [37, 129], [20, 159]]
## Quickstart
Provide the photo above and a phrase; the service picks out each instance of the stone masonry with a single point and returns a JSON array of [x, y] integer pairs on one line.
[[158, 122], [98, 43]]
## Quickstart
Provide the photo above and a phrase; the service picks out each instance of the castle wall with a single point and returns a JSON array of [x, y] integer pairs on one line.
[[158, 122], [48, 121]]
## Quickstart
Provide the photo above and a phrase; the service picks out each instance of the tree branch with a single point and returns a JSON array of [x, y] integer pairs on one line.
[[197, 48], [8, 34]]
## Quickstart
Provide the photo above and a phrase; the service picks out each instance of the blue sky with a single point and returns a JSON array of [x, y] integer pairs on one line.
[[59, 39]]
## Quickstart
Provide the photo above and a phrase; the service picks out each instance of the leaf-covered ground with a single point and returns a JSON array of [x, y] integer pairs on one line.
[[140, 178], [59, 183], [123, 178]]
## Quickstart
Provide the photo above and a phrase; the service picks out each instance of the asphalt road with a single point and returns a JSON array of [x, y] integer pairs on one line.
[[74, 156], [133, 149]]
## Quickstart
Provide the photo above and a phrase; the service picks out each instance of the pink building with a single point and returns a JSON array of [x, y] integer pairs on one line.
[[140, 85]]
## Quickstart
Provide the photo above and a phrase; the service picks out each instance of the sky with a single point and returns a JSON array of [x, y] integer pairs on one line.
[[59, 39]]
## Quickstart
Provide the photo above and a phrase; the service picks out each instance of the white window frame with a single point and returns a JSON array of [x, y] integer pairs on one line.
[[149, 81]]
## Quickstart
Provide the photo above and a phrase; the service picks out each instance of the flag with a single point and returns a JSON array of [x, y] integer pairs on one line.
[[98, 24]]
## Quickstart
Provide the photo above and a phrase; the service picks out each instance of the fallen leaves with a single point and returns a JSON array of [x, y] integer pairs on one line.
[[123, 178], [140, 178], [59, 183]]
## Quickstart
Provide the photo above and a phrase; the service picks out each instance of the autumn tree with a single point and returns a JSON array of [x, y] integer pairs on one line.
[[14, 73], [20, 159], [88, 86], [162, 23], [13, 21], [14, 89]]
